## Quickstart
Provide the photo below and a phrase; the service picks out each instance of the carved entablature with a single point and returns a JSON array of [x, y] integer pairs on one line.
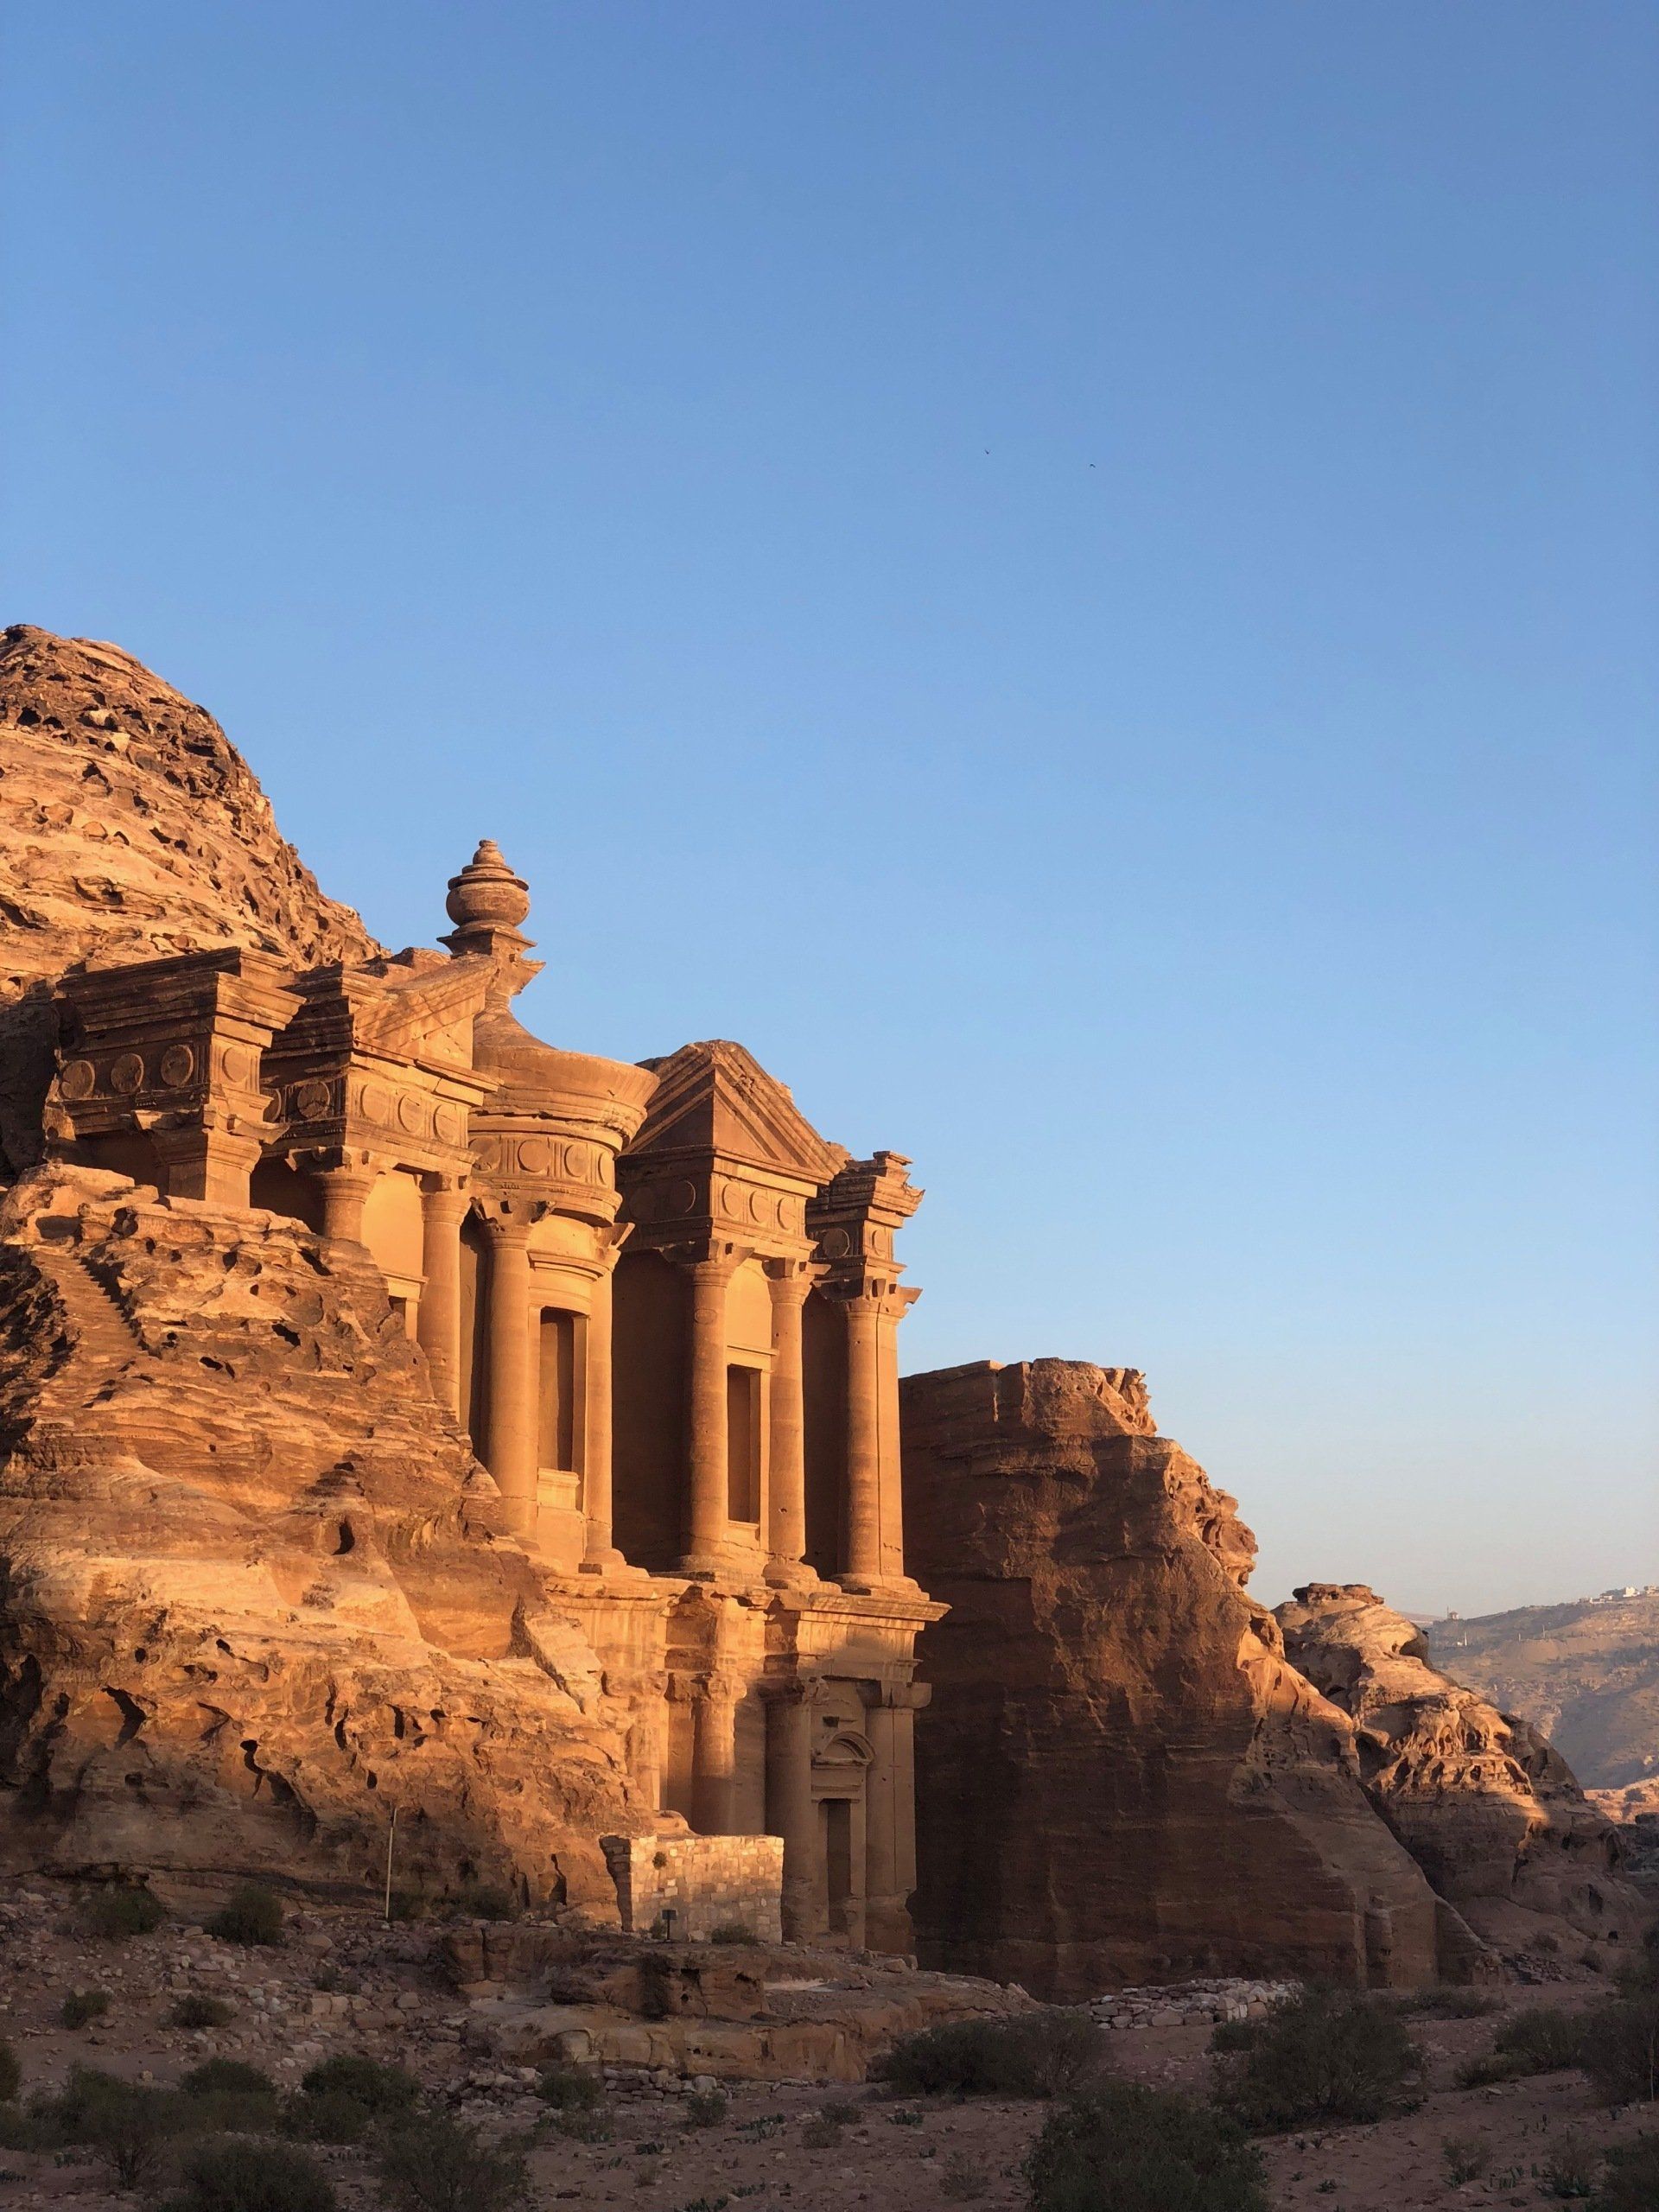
[[168, 1045], [377, 1060], [725, 1153], [854, 1221]]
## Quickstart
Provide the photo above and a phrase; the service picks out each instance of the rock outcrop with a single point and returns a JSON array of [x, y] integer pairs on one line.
[[1120, 1778], [132, 828], [1487, 1808], [256, 1589]]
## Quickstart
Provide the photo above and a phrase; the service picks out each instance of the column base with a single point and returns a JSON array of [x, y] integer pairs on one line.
[[791, 1574], [890, 1585]]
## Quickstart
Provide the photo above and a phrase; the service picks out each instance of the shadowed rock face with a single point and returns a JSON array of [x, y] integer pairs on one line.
[[1490, 1812], [256, 1591], [1119, 1778], [132, 828]]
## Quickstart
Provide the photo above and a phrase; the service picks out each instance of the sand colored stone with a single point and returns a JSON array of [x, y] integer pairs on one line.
[[498, 1407], [1491, 1813], [1121, 1778]]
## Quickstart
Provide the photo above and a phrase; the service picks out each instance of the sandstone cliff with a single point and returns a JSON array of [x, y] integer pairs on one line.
[[254, 1589], [1489, 1809], [131, 829], [1120, 1778]]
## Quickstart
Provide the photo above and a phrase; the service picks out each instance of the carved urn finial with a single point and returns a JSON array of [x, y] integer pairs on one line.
[[486, 903]]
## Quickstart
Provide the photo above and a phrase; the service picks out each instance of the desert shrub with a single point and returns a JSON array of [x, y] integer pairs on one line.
[[569, 2089], [1541, 2040], [961, 2179], [1631, 2182], [198, 2013], [731, 1931], [1450, 2001], [433, 2162], [235, 2075], [1327, 2055], [1122, 2148], [584, 2126], [82, 2007], [225, 2175], [840, 2111], [331, 2116], [705, 2108], [251, 1916], [381, 2088], [486, 1903], [128, 2126], [1233, 2035], [1044, 2054], [1466, 2156], [11, 2073], [1619, 2050], [1569, 2172], [115, 1914], [820, 2135]]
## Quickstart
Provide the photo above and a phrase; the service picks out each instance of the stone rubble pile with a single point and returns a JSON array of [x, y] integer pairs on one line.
[[1188, 2003]]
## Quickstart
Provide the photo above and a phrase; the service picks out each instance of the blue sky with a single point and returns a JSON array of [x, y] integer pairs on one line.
[[1080, 577]]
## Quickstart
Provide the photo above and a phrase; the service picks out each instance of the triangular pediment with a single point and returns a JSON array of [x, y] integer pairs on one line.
[[716, 1099]]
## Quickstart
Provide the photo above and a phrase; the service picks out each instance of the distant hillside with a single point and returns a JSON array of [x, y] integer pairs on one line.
[[1586, 1675]]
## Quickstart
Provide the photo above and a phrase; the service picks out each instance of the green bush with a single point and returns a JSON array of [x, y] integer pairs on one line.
[[584, 2126], [231, 2176], [251, 1916], [1045, 2054], [128, 2126], [1544, 2040], [434, 2163], [115, 1914], [1619, 2050], [731, 1931], [11, 2073], [1631, 2182], [1327, 2055], [570, 2090], [1233, 2035], [381, 2088], [706, 2108], [1466, 2156], [820, 2135], [198, 2013], [1124, 2148], [81, 2006], [232, 2074], [330, 2116]]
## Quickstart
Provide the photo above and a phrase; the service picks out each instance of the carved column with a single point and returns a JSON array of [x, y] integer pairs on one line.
[[437, 1319], [789, 1282], [894, 1307], [345, 1193], [512, 1356], [209, 1164], [600, 1551], [707, 1515], [791, 1811], [714, 1755], [861, 1558]]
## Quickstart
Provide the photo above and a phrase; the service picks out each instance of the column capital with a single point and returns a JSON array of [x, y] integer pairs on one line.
[[507, 1221], [791, 1281], [710, 1258], [441, 1191]]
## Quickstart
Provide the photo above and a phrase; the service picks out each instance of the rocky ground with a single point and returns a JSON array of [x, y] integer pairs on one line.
[[342, 1983]]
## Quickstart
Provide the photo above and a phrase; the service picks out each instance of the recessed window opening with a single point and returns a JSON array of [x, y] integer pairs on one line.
[[558, 1390], [743, 1443]]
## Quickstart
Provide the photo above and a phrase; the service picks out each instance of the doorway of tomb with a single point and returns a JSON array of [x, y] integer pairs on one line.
[[840, 1901]]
